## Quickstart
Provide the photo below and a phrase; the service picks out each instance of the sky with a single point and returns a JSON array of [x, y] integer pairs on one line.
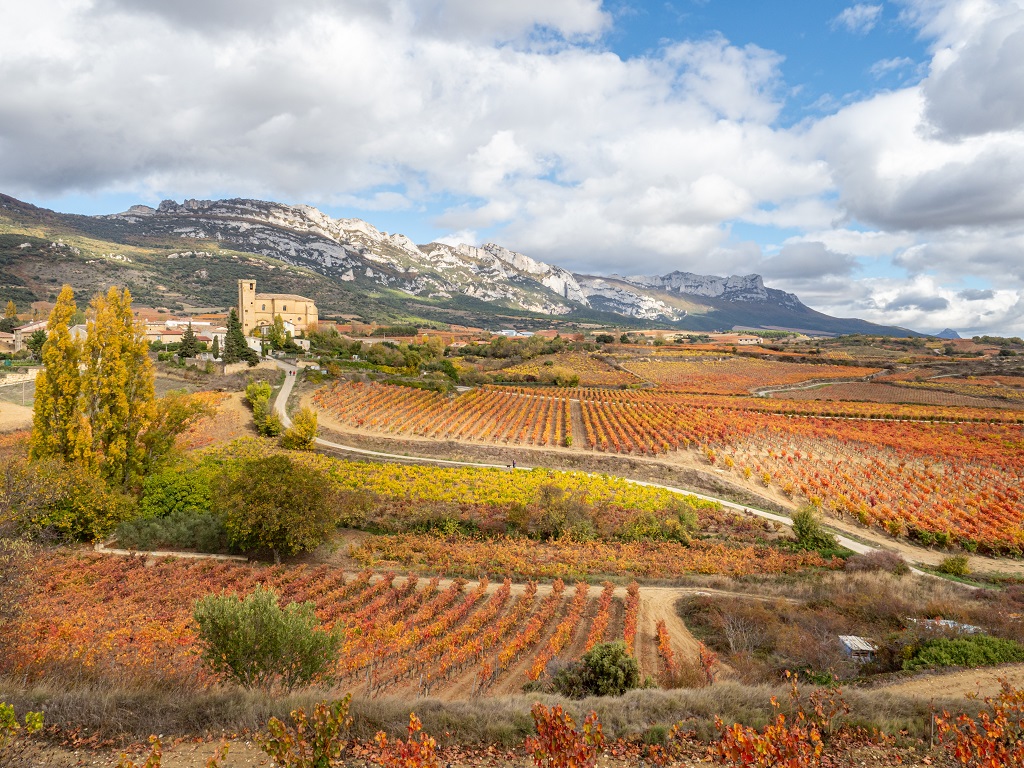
[[868, 157]]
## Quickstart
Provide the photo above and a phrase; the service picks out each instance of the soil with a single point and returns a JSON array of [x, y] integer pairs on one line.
[[244, 753], [984, 682], [14, 417]]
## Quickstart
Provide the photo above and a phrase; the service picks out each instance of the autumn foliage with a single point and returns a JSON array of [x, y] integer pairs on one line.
[[559, 744]]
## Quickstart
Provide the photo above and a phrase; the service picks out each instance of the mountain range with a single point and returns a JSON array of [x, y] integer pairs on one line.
[[187, 255]]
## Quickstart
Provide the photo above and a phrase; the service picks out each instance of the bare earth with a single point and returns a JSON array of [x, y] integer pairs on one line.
[[984, 682], [14, 417]]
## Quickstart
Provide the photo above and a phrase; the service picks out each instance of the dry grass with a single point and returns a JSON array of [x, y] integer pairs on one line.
[[131, 715]]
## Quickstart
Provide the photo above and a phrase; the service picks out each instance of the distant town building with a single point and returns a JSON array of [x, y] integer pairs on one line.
[[259, 309], [23, 333]]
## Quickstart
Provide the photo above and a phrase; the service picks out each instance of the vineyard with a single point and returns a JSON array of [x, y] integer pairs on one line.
[[565, 559], [860, 391], [94, 617], [946, 483], [734, 375], [591, 370], [491, 415]]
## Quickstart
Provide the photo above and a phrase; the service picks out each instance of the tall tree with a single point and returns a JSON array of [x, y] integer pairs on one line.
[[189, 345], [215, 349], [117, 387], [56, 422], [235, 346], [11, 310]]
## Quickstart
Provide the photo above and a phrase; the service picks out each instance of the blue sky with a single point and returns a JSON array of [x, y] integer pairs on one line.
[[867, 156]]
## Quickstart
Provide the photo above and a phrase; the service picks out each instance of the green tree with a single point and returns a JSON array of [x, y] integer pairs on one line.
[[258, 644], [57, 426], [235, 347], [35, 343], [117, 388], [215, 349], [302, 434], [276, 335], [275, 504], [189, 344], [11, 311]]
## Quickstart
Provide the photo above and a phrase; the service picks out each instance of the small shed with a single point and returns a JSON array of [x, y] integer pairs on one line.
[[858, 648]]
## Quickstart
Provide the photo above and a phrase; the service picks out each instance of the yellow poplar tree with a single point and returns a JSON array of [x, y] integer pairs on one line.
[[56, 423], [117, 387], [11, 310]]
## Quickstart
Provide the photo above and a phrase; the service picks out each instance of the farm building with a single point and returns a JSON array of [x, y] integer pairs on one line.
[[857, 648]]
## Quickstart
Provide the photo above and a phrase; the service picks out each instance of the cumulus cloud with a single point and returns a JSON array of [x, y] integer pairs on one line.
[[976, 294], [859, 19], [808, 261], [514, 119]]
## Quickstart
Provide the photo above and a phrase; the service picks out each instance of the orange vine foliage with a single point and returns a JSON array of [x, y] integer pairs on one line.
[[994, 738], [311, 740], [112, 619], [558, 744], [419, 750], [794, 741]]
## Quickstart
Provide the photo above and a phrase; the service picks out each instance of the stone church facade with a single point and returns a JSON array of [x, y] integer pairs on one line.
[[259, 309]]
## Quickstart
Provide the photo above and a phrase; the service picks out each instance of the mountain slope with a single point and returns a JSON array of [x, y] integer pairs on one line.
[[349, 266]]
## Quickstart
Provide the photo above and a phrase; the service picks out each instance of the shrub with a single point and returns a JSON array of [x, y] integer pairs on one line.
[[605, 670], [879, 560], [178, 489], [258, 644], [809, 533], [203, 531], [272, 503], [972, 651], [957, 565], [302, 434], [311, 741], [268, 423]]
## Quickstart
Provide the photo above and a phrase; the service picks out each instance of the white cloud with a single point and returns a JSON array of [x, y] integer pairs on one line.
[[883, 67], [924, 304], [859, 19], [464, 236], [557, 147]]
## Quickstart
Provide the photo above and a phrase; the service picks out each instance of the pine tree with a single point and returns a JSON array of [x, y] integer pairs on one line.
[[56, 423], [117, 387], [12, 309], [189, 345], [235, 347]]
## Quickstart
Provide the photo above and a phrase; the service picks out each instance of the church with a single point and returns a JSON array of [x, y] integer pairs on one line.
[[259, 309]]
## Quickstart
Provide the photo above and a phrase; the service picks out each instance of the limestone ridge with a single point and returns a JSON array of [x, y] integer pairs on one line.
[[352, 249], [364, 259]]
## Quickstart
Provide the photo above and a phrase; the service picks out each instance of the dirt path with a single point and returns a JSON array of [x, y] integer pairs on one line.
[[985, 682]]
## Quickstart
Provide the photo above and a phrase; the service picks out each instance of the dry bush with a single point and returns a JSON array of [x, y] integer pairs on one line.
[[880, 560]]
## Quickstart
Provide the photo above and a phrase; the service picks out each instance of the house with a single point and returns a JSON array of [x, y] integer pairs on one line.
[[858, 648], [23, 333], [6, 342]]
